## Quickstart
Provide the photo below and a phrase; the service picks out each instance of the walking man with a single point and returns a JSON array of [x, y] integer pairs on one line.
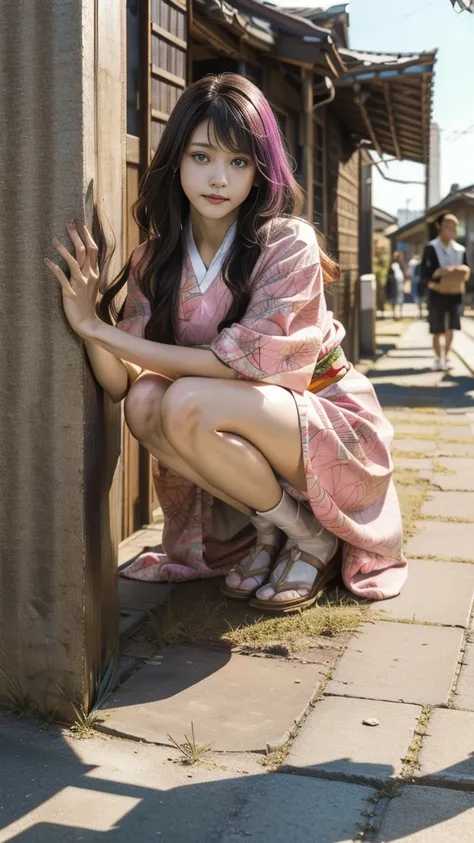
[[444, 270]]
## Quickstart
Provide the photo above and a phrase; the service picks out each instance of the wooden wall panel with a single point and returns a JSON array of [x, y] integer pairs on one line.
[[342, 229]]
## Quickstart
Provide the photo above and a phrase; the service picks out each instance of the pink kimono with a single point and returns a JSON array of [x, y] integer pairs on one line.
[[285, 333]]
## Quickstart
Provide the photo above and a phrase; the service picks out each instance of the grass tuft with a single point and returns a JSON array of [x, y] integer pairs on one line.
[[191, 752], [411, 503], [196, 613], [83, 727], [410, 761], [409, 477], [276, 758], [18, 703]]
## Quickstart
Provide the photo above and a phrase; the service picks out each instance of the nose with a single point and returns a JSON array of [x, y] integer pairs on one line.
[[218, 176]]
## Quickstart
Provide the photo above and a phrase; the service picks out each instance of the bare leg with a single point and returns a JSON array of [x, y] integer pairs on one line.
[[143, 417], [437, 344], [237, 436], [448, 338]]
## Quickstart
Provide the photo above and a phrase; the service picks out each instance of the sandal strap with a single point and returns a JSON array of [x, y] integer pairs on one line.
[[295, 555], [244, 568]]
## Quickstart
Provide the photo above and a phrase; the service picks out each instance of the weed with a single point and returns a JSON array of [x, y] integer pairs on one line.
[[197, 614], [276, 757], [191, 752], [410, 761], [83, 726], [389, 790], [19, 703], [439, 468], [409, 477], [411, 503]]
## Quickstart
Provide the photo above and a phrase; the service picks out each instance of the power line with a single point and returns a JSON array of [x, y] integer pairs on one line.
[[400, 18]]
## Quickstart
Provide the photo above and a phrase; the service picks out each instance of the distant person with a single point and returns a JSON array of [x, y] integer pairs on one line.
[[381, 267], [414, 274], [444, 271], [394, 291]]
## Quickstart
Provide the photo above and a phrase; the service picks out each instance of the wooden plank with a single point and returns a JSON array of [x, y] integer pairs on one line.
[[177, 5], [391, 120], [366, 119], [350, 197], [168, 36], [217, 40], [166, 76], [133, 149], [144, 84], [159, 115], [350, 179]]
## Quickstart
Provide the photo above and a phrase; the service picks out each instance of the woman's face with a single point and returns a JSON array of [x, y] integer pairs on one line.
[[448, 231], [208, 171]]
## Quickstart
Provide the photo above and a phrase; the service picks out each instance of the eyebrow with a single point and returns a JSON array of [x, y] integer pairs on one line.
[[211, 146]]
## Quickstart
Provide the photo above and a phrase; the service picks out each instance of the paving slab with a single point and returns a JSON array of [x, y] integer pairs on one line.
[[423, 463], [137, 595], [460, 473], [395, 662], [442, 539], [464, 696], [428, 815], [455, 449], [447, 753], [129, 621], [334, 739], [237, 703], [418, 446], [56, 790], [407, 429], [450, 505], [424, 598]]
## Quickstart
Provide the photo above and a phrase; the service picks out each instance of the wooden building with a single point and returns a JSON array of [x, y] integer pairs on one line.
[[332, 105]]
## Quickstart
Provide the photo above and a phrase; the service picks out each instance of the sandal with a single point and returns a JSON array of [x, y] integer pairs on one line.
[[246, 571], [326, 571]]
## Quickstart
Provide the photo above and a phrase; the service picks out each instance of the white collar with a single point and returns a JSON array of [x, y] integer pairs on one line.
[[437, 242], [205, 276]]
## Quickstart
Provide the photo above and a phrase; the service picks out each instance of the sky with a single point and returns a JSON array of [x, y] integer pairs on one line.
[[415, 26]]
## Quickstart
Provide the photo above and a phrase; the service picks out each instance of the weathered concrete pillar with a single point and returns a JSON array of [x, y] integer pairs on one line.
[[367, 314], [62, 141]]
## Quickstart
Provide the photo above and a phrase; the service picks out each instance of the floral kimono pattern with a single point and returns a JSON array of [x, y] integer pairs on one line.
[[286, 332]]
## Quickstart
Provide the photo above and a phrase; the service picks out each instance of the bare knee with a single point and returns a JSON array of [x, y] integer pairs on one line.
[[142, 407], [184, 411]]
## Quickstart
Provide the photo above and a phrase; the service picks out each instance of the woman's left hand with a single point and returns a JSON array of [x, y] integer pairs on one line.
[[80, 292]]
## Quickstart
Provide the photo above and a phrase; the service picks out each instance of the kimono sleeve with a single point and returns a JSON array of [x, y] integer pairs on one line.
[[280, 336], [137, 310]]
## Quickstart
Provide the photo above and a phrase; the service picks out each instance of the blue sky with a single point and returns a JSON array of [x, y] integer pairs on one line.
[[414, 26]]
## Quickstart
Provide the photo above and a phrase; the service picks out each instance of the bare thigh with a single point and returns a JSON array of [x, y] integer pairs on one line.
[[264, 414]]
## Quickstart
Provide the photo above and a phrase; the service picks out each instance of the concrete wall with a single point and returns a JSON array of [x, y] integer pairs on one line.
[[61, 141]]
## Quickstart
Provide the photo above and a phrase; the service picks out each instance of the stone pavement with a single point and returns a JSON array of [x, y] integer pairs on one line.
[[375, 745]]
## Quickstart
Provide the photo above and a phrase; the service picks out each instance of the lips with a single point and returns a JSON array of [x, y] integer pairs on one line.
[[214, 197]]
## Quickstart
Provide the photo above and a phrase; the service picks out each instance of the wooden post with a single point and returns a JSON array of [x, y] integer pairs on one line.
[[308, 142], [64, 136]]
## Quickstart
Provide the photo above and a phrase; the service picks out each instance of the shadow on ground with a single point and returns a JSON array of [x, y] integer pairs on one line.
[[54, 792]]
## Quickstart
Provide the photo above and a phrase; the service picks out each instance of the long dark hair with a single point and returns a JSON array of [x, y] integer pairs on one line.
[[243, 122]]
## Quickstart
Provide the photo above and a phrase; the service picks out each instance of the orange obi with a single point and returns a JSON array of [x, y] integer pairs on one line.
[[329, 370]]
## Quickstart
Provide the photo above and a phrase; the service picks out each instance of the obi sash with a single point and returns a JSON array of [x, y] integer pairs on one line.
[[329, 370]]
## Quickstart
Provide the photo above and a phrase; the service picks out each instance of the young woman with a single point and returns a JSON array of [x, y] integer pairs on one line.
[[271, 449]]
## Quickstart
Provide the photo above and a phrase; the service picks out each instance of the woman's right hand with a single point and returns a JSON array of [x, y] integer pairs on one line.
[[80, 292]]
